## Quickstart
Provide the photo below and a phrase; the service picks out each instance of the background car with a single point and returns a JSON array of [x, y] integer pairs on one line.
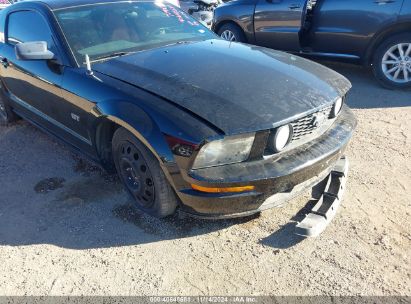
[[368, 32], [202, 10]]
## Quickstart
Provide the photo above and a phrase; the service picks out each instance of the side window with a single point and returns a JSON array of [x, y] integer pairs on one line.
[[26, 26]]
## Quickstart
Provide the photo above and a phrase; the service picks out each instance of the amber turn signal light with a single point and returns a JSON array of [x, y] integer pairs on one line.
[[222, 190]]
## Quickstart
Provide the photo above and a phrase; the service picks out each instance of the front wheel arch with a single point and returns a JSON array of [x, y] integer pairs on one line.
[[121, 113], [106, 127], [383, 35]]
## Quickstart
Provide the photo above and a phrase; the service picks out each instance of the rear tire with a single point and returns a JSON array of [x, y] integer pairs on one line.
[[392, 62], [142, 175], [231, 32]]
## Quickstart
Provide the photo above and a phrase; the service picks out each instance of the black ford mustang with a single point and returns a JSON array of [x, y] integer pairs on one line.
[[187, 119]]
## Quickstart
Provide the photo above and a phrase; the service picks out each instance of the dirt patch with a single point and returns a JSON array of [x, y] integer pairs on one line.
[[85, 167], [49, 184], [88, 168], [89, 190]]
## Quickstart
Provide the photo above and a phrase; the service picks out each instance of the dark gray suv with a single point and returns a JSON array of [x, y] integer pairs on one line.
[[369, 32]]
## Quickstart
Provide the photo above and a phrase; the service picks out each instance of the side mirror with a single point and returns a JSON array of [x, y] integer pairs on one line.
[[36, 50]]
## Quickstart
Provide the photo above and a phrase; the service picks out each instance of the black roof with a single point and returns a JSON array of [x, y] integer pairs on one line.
[[59, 4]]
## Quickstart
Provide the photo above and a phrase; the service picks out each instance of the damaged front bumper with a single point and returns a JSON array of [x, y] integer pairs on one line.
[[275, 180], [327, 205]]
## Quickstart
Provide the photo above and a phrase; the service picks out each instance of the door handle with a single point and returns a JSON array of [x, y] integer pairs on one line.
[[294, 6]]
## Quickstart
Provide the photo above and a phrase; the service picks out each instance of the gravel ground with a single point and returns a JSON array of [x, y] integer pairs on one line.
[[66, 228]]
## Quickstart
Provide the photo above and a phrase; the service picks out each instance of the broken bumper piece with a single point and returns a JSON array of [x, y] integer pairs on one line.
[[326, 207]]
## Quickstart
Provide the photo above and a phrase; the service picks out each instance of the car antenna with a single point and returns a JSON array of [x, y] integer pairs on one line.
[[88, 65]]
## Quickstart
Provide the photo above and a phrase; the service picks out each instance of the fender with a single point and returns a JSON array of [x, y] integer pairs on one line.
[[144, 123], [143, 127], [138, 122], [108, 99]]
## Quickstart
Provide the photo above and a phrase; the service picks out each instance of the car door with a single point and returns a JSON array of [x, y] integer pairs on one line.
[[346, 27], [278, 23], [33, 85]]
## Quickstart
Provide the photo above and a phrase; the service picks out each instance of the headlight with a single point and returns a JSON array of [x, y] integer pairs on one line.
[[337, 107], [281, 138], [232, 149]]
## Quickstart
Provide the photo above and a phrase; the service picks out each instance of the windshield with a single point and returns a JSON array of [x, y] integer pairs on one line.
[[104, 30]]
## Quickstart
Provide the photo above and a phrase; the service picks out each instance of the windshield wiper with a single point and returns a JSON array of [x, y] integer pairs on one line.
[[111, 55]]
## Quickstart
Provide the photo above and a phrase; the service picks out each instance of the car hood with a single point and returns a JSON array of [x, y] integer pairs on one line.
[[236, 87]]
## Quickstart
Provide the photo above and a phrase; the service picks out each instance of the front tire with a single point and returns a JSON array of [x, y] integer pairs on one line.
[[231, 32], [392, 62], [142, 175]]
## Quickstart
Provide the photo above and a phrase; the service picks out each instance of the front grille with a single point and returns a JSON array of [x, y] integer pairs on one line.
[[305, 129], [308, 124]]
